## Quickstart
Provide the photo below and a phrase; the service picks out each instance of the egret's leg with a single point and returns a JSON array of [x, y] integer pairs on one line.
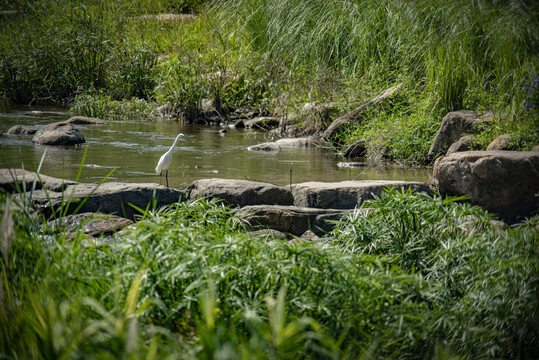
[[166, 176], [160, 177]]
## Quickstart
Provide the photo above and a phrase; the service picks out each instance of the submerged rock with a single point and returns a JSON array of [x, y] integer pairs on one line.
[[59, 133], [502, 182]]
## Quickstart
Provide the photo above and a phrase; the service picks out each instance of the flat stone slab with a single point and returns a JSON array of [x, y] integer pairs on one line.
[[240, 192], [502, 182], [107, 198], [347, 194], [14, 180], [292, 219]]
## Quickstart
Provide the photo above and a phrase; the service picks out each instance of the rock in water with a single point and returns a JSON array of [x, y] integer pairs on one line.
[[21, 130], [85, 120], [59, 133]]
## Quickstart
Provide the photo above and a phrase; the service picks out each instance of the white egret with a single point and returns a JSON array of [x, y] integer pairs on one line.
[[166, 159]]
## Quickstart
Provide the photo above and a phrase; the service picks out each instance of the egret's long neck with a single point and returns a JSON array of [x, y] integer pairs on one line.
[[175, 141]]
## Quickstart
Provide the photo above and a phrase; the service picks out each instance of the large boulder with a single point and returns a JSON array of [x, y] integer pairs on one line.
[[19, 180], [85, 120], [108, 198], [59, 133], [240, 192], [346, 194], [21, 130], [292, 219], [502, 182], [454, 125]]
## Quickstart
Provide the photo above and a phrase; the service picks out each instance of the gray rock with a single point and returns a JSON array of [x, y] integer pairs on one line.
[[355, 115], [454, 125], [346, 194], [85, 120], [240, 192], [267, 146], [108, 198], [291, 219], [13, 180], [59, 133], [357, 149], [502, 142], [465, 143], [502, 182], [91, 224], [21, 130]]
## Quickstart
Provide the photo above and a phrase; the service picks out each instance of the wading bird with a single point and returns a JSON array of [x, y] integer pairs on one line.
[[166, 159]]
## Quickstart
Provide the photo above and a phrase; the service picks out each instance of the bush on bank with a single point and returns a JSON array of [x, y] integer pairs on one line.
[[415, 277]]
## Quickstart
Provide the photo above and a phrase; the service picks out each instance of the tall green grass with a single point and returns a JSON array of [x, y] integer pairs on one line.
[[414, 277], [453, 55]]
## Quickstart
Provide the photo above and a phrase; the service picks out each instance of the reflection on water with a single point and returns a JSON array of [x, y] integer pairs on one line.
[[132, 149]]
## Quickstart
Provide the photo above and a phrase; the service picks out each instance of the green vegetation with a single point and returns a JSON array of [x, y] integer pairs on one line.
[[274, 56], [415, 277]]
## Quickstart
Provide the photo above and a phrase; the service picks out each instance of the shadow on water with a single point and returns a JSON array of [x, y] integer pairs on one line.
[[134, 147]]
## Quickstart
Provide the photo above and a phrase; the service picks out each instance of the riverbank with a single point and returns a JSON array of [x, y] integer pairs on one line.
[[477, 57], [408, 275]]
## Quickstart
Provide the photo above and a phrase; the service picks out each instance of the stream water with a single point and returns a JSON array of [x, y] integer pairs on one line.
[[131, 149]]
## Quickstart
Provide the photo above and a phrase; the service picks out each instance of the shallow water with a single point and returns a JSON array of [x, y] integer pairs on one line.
[[131, 149]]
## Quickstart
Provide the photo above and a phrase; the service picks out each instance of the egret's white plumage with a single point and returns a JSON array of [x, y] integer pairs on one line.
[[166, 159]]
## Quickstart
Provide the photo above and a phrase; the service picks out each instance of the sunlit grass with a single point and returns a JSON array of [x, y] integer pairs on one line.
[[414, 277]]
